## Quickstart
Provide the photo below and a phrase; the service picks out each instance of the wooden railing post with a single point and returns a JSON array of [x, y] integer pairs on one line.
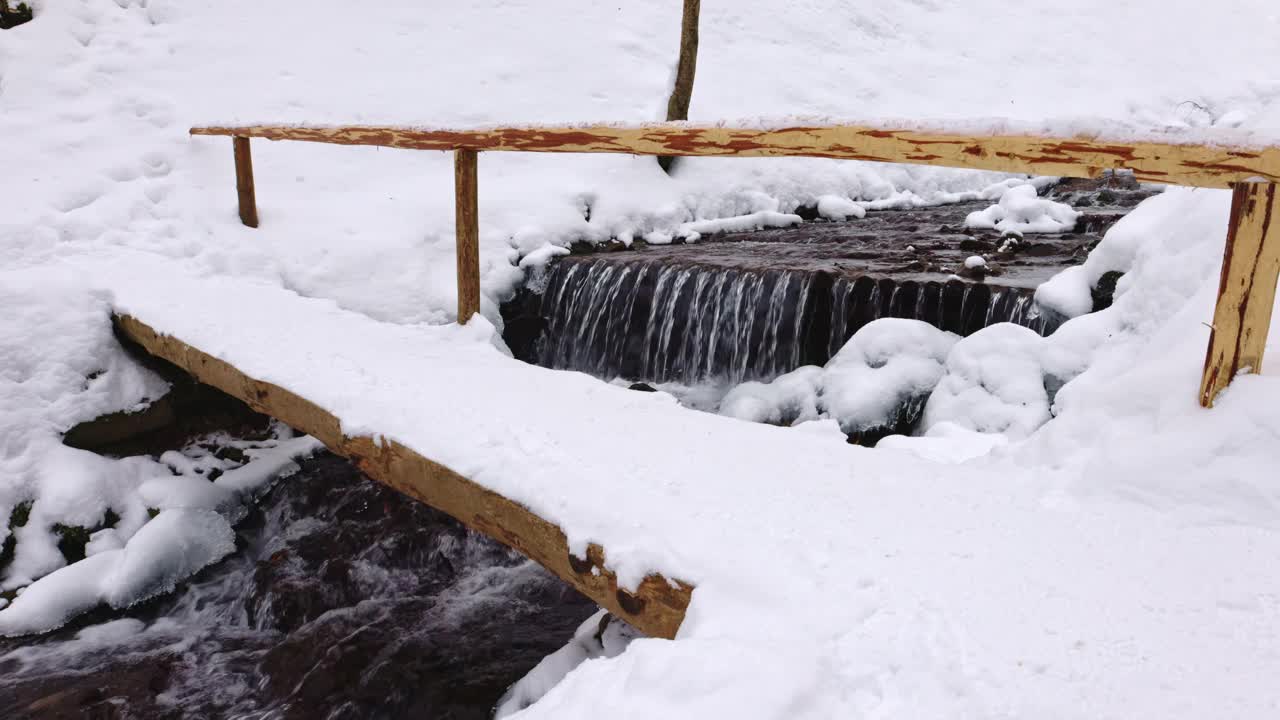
[[468, 233], [1247, 291], [244, 182], [686, 67]]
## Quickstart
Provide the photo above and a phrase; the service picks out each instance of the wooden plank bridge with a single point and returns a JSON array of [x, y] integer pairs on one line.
[[1236, 344]]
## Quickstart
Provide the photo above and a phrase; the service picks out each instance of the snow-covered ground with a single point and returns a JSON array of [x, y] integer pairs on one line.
[[1115, 561]]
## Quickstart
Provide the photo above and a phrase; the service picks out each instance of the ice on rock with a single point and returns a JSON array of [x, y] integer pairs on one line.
[[993, 383], [1020, 211], [834, 207]]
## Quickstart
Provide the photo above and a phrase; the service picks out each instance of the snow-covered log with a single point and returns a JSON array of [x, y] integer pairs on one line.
[[656, 606]]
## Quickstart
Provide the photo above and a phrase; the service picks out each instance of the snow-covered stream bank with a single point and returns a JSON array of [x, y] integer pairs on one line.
[[342, 599]]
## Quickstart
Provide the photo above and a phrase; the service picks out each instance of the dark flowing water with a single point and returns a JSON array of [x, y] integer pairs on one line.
[[344, 599]]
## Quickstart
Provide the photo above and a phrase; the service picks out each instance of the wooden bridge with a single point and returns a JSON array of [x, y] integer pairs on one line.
[[1237, 341]]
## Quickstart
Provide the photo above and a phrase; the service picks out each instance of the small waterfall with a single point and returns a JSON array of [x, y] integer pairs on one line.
[[658, 321], [665, 322]]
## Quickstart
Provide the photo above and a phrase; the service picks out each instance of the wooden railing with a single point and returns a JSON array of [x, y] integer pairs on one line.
[[1250, 267]]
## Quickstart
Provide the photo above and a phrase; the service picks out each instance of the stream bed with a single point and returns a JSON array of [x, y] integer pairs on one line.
[[344, 599]]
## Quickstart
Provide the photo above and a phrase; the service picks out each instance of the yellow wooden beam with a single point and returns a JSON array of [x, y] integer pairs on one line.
[[1173, 163], [1247, 291], [657, 606]]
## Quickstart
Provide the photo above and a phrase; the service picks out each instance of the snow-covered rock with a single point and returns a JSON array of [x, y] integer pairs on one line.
[[994, 383], [877, 382], [786, 400], [834, 207], [882, 376], [1020, 212]]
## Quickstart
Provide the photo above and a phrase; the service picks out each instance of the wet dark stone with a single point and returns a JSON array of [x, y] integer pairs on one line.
[[188, 410], [1104, 292], [808, 213], [642, 387], [343, 599], [975, 245], [1096, 223], [1113, 190], [11, 17], [903, 422]]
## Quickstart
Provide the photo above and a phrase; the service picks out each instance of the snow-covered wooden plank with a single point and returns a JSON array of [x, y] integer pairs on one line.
[[657, 606], [467, 233], [1247, 290], [1190, 164]]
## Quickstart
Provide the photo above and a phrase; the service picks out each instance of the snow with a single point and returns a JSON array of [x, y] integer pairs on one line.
[[993, 382], [742, 223], [139, 557], [1115, 561], [888, 365], [973, 262], [833, 207], [785, 400], [1069, 292], [1020, 212], [946, 442], [164, 551]]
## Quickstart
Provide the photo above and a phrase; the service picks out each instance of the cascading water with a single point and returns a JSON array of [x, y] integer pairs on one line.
[[690, 323], [666, 322], [751, 306]]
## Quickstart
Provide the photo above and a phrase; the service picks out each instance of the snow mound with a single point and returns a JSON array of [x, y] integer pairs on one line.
[[1070, 291], [883, 375], [1021, 211], [786, 400], [165, 551], [879, 380], [994, 383]]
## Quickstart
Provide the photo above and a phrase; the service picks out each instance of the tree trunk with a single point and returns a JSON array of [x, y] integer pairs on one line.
[[682, 91]]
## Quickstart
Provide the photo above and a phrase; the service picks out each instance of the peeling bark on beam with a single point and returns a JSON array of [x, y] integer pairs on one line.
[[1247, 290], [1177, 164], [657, 607]]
